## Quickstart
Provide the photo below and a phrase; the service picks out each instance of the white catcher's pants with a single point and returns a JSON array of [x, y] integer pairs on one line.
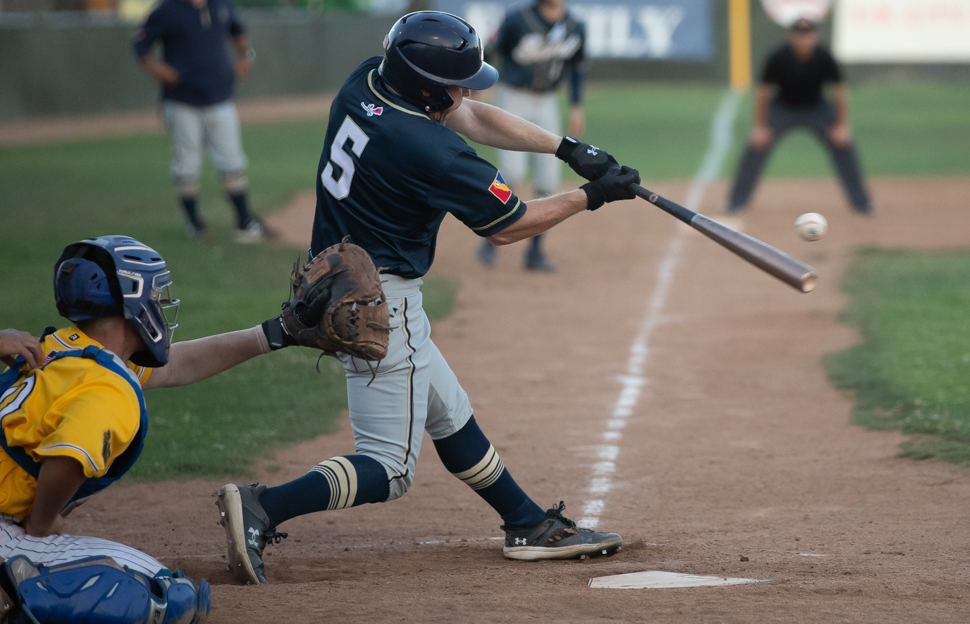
[[414, 391], [58, 549], [542, 109]]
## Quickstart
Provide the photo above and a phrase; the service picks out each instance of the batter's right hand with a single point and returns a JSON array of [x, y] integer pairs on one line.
[[588, 161], [612, 186], [14, 343]]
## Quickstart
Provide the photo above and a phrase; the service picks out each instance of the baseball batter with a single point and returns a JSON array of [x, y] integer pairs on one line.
[[393, 165], [536, 45], [74, 421]]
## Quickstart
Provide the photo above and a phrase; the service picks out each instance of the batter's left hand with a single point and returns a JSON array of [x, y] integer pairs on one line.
[[577, 121], [840, 135], [587, 160], [14, 343]]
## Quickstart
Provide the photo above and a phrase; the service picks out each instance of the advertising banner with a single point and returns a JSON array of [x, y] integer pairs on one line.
[[902, 31], [617, 29]]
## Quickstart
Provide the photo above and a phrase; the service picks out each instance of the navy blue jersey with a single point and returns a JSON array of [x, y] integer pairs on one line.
[[389, 174], [534, 52], [194, 42]]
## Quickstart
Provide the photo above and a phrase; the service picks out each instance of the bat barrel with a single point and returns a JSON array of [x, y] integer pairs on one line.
[[774, 262], [777, 263]]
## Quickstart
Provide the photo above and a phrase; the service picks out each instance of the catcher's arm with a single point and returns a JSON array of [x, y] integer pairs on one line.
[[192, 361]]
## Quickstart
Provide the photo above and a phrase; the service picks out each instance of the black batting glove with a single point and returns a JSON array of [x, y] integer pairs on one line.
[[614, 185], [276, 334], [588, 161]]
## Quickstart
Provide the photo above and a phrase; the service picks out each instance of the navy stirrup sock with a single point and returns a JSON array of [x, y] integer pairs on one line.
[[241, 202], [338, 483], [468, 455], [191, 207]]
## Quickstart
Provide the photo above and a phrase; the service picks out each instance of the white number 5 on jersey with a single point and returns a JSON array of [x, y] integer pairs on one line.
[[348, 131]]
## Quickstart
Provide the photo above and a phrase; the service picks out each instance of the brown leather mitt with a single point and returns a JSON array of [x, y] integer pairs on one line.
[[338, 305]]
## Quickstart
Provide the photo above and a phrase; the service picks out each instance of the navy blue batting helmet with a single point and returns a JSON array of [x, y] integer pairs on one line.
[[431, 50], [119, 276]]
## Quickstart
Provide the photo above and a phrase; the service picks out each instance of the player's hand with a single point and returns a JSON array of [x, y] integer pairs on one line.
[[761, 136], [243, 67], [14, 343], [577, 121], [614, 185], [840, 135], [167, 75], [588, 161]]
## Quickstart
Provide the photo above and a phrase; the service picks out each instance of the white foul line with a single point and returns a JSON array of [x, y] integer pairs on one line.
[[633, 381]]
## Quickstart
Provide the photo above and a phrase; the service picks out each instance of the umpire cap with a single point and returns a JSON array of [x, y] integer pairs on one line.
[[432, 50]]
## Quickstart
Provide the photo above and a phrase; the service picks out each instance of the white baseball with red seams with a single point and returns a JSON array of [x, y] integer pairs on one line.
[[811, 226]]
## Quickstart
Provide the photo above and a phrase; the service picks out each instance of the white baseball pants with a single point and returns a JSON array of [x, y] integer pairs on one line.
[[541, 109]]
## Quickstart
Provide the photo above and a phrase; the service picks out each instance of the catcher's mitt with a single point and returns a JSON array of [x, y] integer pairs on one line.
[[338, 305]]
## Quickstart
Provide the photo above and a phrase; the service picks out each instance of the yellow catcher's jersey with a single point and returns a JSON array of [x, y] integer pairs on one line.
[[71, 406]]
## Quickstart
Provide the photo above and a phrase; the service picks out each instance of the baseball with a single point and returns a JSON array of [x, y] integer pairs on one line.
[[811, 226]]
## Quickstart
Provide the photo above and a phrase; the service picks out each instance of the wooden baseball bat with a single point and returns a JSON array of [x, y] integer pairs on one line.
[[770, 260]]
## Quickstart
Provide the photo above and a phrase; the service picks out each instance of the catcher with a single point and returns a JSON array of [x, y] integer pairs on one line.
[[392, 167], [74, 421]]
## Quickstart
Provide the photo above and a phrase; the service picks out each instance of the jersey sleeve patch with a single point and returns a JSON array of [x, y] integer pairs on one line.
[[500, 189]]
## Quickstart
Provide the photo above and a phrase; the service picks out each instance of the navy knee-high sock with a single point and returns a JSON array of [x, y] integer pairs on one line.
[[338, 483], [190, 204], [468, 455], [240, 202]]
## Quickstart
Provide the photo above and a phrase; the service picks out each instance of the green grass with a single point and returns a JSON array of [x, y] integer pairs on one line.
[[51, 195], [912, 370]]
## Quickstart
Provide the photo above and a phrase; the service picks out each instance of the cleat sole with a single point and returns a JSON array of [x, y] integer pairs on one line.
[[578, 551], [230, 507]]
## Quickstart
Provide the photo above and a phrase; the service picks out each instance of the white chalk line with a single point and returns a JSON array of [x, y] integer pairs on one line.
[[633, 381]]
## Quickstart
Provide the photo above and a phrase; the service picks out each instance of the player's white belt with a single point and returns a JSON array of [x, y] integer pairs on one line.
[[8, 519], [396, 287]]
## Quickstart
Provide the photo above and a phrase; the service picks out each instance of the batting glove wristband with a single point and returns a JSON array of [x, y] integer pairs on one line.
[[276, 334], [614, 185], [588, 161]]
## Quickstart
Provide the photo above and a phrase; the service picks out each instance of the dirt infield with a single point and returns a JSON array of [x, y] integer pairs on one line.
[[738, 447], [54, 129]]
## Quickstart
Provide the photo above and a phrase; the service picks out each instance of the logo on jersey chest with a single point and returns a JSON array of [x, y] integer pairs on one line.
[[372, 110], [500, 189]]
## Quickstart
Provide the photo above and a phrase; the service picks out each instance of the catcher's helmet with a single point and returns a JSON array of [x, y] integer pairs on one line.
[[119, 276], [431, 50]]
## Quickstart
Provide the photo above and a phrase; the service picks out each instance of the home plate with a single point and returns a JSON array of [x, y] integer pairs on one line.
[[660, 580]]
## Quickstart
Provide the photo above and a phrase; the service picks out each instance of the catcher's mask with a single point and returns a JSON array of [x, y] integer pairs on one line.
[[119, 276]]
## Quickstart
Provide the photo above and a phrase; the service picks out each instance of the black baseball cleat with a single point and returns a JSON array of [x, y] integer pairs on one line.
[[248, 530], [536, 260], [557, 537]]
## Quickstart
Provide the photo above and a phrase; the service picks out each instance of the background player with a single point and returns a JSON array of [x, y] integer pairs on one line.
[[790, 96], [392, 167], [197, 78], [534, 45], [74, 421]]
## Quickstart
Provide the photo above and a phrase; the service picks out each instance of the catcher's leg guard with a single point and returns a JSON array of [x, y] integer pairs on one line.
[[97, 590]]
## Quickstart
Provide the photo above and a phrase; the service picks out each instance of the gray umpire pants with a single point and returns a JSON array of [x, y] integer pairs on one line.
[[818, 119]]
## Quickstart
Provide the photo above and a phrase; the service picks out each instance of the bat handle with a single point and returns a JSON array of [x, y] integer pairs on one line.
[[671, 208]]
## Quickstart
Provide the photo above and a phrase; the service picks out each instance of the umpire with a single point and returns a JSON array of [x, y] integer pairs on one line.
[[535, 44], [790, 96], [197, 78]]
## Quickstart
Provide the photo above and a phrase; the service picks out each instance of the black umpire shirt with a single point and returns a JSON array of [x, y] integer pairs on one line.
[[800, 82]]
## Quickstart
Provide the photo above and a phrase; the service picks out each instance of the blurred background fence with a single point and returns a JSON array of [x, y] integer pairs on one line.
[[65, 57]]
